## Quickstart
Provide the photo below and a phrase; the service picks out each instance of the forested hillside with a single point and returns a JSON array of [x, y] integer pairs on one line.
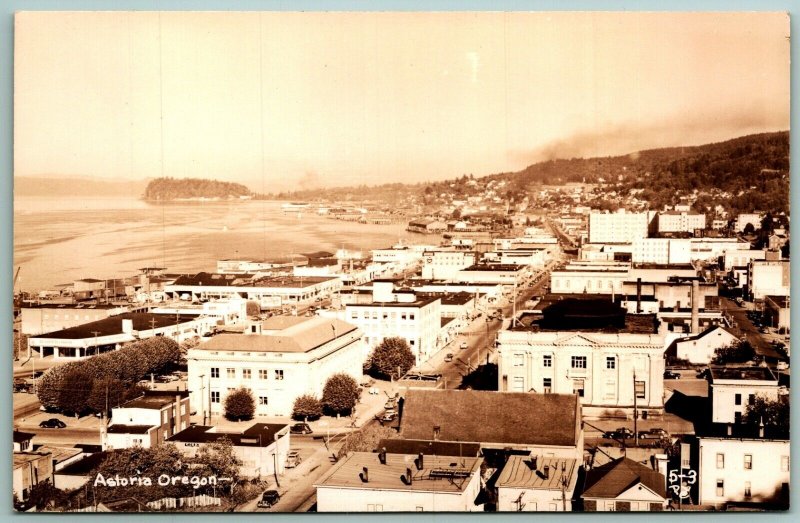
[[165, 189]]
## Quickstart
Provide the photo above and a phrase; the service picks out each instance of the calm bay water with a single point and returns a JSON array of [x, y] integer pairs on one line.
[[61, 240]]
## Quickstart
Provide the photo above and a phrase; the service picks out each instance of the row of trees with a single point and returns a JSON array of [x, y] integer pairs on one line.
[[339, 396], [102, 382]]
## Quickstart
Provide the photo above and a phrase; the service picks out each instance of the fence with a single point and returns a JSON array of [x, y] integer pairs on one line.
[[193, 501]]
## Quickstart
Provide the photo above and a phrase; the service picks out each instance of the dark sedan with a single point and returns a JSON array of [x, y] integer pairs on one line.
[[52, 423]]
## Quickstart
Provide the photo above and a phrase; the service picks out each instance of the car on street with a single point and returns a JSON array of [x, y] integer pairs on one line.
[[671, 375], [388, 417], [269, 498], [620, 433], [300, 428], [52, 423], [449, 357], [654, 433], [702, 373], [293, 459], [390, 404], [463, 345]]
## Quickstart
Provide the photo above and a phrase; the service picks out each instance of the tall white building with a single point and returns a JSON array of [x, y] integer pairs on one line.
[[662, 251], [613, 364], [748, 470], [680, 221], [278, 360], [389, 314], [445, 264], [753, 218], [768, 277], [618, 227]]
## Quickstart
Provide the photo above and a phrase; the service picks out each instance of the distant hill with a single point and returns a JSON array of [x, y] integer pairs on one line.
[[166, 189], [745, 173], [75, 186]]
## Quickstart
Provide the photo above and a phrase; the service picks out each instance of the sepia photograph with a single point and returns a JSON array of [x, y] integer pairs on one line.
[[401, 261]]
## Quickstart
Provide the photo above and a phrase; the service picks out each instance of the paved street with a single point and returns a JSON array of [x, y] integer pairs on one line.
[[749, 331]]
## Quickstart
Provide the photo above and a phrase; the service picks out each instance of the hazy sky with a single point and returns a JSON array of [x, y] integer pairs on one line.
[[282, 100]]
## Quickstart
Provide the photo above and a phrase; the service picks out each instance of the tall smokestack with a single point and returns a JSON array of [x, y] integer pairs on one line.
[[638, 295], [695, 306]]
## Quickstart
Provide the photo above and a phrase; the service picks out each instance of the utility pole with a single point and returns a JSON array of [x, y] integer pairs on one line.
[[202, 397], [635, 413]]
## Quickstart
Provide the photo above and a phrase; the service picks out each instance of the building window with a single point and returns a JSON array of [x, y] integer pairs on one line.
[[748, 462], [737, 399], [215, 372], [720, 460], [262, 400], [751, 399], [611, 362], [547, 361], [577, 387], [231, 373], [720, 488], [547, 384], [278, 374], [784, 463], [737, 417], [411, 316], [519, 384], [214, 396], [579, 362], [246, 374], [747, 489], [518, 360], [639, 388]]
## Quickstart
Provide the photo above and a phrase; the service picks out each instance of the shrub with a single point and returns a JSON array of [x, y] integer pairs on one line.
[[307, 406], [240, 405]]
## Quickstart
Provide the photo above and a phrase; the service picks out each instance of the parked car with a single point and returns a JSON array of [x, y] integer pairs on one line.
[[390, 404], [388, 417], [782, 365], [293, 459], [269, 498], [702, 373], [671, 375], [449, 357], [463, 345], [300, 428], [52, 423], [620, 433], [654, 433]]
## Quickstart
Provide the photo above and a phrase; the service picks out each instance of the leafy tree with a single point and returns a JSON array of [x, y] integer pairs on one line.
[[74, 391], [218, 459], [253, 308], [774, 414], [391, 358], [749, 228], [106, 394], [366, 439], [240, 405], [49, 387], [340, 394], [307, 406], [142, 462], [739, 352], [44, 495]]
